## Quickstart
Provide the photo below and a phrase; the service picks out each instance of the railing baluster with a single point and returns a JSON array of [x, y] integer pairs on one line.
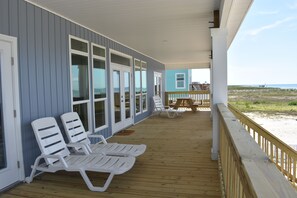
[[281, 154]]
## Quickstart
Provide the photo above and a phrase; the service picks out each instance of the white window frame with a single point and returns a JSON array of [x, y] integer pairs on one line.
[[93, 93], [86, 54], [176, 81], [140, 95], [158, 75]]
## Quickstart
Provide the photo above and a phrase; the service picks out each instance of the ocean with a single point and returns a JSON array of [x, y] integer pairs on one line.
[[282, 86]]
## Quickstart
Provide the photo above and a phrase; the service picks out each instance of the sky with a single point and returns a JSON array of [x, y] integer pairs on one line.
[[264, 50]]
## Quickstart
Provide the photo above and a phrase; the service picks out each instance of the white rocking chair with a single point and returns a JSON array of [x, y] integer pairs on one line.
[[76, 134], [57, 156], [159, 108]]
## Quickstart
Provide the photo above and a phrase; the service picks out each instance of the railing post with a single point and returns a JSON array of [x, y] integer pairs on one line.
[[166, 99]]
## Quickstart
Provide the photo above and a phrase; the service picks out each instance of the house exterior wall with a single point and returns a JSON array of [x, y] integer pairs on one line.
[[44, 68], [171, 79]]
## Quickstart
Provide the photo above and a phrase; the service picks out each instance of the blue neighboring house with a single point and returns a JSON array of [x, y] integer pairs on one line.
[[178, 80]]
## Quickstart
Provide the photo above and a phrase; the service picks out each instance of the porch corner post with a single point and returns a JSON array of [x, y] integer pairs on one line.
[[219, 82]]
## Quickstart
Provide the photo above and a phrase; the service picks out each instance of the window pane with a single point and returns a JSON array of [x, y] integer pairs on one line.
[[120, 60], [99, 79], [82, 110], [98, 51], [137, 63], [180, 84], [99, 114], [137, 104], [144, 87], [79, 45], [180, 77], [117, 96], [144, 102], [143, 65], [80, 78], [127, 94], [137, 80]]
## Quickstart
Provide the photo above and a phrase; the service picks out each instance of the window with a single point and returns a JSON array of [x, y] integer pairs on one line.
[[140, 86], [99, 87], [180, 81], [158, 84], [144, 85], [80, 79]]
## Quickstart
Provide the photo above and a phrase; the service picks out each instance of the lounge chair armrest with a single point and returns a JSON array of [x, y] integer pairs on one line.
[[84, 146], [58, 157], [98, 136]]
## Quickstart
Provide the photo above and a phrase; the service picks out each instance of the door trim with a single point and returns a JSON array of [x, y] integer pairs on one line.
[[16, 103], [112, 51]]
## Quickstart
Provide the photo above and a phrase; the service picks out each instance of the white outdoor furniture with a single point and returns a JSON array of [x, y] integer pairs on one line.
[[76, 133], [57, 156], [170, 112]]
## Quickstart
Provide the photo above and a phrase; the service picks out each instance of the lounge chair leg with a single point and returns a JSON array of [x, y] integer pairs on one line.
[[30, 178], [94, 188]]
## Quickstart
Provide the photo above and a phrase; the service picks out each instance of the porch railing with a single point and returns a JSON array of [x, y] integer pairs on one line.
[[200, 98], [281, 154], [245, 169]]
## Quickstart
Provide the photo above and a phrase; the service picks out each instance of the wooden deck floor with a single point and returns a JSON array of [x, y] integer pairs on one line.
[[176, 164]]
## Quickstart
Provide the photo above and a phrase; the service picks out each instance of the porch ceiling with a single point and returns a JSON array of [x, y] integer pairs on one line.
[[173, 32]]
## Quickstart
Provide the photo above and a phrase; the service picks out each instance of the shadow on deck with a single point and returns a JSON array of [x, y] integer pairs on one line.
[[176, 164]]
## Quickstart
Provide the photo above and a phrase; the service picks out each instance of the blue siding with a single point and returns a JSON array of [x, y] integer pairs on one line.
[[44, 71], [171, 79]]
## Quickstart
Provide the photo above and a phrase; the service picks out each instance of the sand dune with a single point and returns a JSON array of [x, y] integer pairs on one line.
[[282, 126]]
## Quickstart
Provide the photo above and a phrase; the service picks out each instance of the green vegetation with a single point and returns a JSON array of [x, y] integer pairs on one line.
[[266, 100]]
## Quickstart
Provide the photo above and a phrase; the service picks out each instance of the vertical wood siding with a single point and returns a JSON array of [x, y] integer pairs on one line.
[[44, 70]]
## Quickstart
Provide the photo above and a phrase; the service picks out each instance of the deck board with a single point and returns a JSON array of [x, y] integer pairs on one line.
[[176, 164]]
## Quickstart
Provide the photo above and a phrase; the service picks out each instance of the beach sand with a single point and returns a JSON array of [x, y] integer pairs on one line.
[[282, 126]]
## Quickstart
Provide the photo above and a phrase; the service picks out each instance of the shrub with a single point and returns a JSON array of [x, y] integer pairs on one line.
[[293, 103]]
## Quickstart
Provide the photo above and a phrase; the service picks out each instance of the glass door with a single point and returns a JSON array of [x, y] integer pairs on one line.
[[121, 97]]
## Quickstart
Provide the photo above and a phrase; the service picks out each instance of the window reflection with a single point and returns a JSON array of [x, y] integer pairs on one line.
[[99, 114], [82, 110], [127, 94], [117, 96], [137, 81], [80, 80], [99, 79]]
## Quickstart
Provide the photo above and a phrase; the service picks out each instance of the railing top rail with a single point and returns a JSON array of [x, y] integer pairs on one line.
[[263, 178], [266, 133]]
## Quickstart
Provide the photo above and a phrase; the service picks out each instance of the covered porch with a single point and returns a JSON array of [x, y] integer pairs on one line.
[[177, 163]]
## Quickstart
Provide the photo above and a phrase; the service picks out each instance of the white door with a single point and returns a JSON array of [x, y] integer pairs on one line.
[[9, 172], [121, 97]]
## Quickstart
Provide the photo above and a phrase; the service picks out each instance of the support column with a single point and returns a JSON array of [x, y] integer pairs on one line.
[[219, 92]]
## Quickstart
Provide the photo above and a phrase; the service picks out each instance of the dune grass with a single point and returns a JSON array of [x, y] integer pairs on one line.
[[265, 100]]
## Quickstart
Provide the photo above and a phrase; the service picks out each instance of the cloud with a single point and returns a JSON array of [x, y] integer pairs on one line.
[[270, 26]]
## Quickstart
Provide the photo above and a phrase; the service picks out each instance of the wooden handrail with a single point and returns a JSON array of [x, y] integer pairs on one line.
[[201, 97], [281, 154], [246, 169]]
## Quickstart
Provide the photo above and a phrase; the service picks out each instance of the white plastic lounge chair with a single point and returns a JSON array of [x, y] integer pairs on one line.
[[159, 108], [76, 134], [57, 156]]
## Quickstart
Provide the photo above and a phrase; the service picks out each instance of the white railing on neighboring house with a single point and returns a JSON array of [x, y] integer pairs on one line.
[[246, 171], [201, 98]]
